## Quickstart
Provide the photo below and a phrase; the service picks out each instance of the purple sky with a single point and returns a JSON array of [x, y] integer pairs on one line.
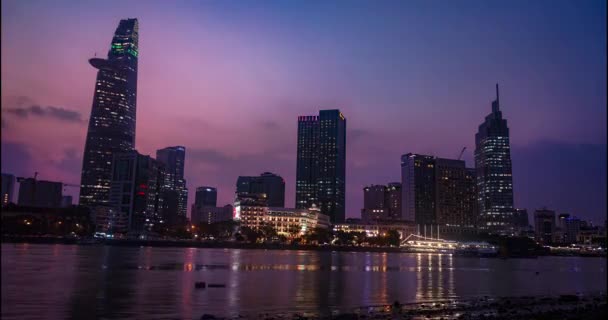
[[228, 79]]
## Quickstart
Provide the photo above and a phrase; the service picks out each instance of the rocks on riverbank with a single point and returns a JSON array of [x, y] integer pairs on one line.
[[511, 308]]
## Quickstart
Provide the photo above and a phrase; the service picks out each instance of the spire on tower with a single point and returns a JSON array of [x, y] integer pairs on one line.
[[495, 104]]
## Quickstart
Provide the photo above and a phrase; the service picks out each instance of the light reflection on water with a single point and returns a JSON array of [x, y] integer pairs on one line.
[[82, 282]]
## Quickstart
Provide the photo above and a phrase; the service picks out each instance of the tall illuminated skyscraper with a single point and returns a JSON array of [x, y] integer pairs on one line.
[[112, 122], [494, 174], [321, 163]]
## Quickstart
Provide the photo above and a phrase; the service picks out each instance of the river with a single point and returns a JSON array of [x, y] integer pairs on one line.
[[89, 282]]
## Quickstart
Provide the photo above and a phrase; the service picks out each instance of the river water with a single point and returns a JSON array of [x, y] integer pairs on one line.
[[89, 282]]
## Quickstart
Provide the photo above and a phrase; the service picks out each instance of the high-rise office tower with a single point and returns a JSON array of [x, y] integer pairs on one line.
[[418, 188], [112, 122], [176, 193], [136, 189], [307, 162], [321, 163], [455, 193], [205, 197], [8, 188], [438, 191], [494, 174], [268, 185]]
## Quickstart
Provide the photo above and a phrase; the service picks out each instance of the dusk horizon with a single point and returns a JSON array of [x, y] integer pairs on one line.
[[230, 84]]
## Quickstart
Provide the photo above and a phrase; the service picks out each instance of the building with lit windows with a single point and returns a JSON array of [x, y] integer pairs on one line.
[[111, 126], [136, 190], [110, 222], [418, 188], [455, 194], [438, 192], [382, 202], [175, 205], [494, 172], [379, 228], [321, 163], [283, 220], [8, 189], [268, 184]]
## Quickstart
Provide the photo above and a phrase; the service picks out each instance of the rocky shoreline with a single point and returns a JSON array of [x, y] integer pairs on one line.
[[507, 308]]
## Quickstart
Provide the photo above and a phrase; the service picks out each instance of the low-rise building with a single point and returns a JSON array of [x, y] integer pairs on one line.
[[209, 215], [284, 220], [109, 221]]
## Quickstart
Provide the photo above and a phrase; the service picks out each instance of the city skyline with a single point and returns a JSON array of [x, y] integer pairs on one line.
[[375, 141]]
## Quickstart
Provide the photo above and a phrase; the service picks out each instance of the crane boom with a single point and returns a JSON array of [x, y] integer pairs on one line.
[[461, 152]]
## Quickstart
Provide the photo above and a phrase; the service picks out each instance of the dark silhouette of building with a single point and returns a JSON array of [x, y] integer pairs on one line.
[[112, 123], [521, 218], [394, 200], [381, 202], [209, 215], [268, 185], [418, 188], [40, 193], [544, 225], [205, 197], [175, 205], [8, 188], [438, 191], [136, 189], [321, 163], [494, 173], [455, 194], [66, 201]]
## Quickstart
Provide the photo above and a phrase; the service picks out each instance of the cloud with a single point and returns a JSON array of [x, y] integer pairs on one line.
[[271, 125], [58, 113]]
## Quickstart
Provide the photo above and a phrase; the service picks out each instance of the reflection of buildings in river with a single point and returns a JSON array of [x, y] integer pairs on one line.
[[234, 289], [435, 277], [110, 289]]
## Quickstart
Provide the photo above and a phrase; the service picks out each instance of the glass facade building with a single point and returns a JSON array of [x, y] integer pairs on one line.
[[494, 173], [112, 123], [175, 190], [321, 163]]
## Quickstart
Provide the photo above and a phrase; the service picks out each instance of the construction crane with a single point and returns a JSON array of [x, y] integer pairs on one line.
[[461, 152]]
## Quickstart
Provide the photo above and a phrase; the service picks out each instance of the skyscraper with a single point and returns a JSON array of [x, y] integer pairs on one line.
[[112, 122], [438, 191], [494, 174], [321, 163], [176, 193], [418, 188], [136, 187], [268, 185], [456, 193]]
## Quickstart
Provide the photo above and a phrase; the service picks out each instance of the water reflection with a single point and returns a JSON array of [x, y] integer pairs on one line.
[[85, 282]]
